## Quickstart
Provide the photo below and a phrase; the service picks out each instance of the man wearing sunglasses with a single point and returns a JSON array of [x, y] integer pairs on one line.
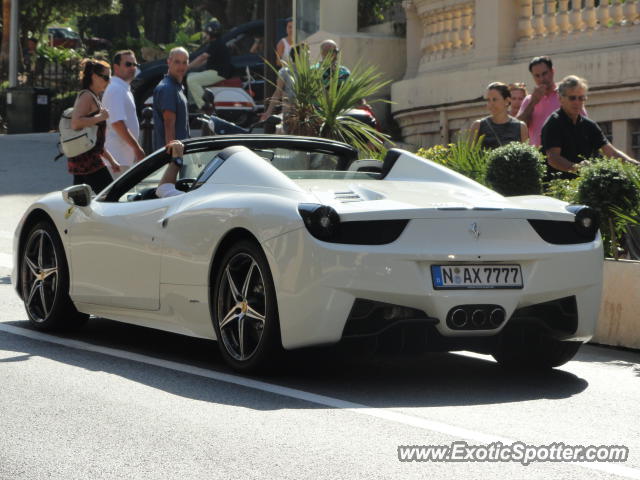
[[568, 137], [123, 129]]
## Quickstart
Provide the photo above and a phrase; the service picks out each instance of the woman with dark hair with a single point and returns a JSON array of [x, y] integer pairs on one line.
[[499, 128], [283, 48], [89, 167]]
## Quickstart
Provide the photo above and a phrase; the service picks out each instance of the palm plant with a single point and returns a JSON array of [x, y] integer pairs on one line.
[[320, 104], [465, 156]]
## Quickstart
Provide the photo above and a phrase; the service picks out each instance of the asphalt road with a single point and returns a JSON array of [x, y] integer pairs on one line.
[[117, 401]]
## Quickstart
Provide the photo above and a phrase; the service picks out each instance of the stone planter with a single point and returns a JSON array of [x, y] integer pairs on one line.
[[619, 321]]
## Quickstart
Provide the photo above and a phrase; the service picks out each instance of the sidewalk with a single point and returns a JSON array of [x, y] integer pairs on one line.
[[27, 166]]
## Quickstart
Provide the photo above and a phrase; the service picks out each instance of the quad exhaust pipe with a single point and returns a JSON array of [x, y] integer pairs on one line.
[[476, 317]]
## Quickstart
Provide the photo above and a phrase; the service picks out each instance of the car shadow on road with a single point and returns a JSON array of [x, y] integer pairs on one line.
[[424, 380]]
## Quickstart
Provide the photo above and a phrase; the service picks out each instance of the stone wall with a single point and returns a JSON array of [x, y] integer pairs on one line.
[[455, 48]]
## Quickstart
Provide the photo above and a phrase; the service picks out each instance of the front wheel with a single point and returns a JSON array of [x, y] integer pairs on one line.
[[245, 309], [44, 281], [525, 348]]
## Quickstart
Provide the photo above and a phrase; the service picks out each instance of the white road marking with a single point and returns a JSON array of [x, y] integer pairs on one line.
[[384, 414], [6, 260]]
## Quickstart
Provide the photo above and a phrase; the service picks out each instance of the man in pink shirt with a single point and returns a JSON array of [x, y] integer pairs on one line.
[[542, 101]]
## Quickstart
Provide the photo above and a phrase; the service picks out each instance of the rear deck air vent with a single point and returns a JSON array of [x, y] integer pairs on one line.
[[347, 196]]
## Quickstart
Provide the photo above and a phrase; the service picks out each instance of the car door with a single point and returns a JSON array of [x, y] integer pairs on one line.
[[115, 244], [115, 252]]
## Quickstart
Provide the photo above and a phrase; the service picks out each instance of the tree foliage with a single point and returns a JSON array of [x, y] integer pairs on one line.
[[36, 15], [371, 12], [161, 20]]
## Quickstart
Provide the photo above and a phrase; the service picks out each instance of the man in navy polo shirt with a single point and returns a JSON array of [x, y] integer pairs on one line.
[[170, 108], [568, 138]]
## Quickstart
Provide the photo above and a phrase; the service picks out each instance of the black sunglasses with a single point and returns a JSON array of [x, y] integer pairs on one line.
[[130, 64]]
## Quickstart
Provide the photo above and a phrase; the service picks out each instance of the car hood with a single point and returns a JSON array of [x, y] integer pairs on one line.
[[381, 199]]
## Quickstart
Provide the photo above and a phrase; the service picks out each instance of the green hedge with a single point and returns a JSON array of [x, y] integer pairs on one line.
[[515, 169]]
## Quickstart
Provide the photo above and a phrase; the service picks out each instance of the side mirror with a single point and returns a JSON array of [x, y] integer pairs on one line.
[[78, 195]]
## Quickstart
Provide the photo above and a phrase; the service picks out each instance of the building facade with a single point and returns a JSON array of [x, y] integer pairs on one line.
[[455, 48]]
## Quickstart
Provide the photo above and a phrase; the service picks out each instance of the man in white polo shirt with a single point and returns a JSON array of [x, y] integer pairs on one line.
[[122, 126]]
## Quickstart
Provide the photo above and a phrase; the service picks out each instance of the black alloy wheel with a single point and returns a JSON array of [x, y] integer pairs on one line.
[[246, 314], [44, 281]]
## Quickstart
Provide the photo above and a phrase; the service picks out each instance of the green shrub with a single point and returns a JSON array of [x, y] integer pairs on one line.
[[465, 156], [515, 169], [565, 189], [437, 153], [608, 186]]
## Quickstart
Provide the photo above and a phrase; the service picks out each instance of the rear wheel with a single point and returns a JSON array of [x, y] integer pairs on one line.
[[529, 348], [44, 281], [246, 313]]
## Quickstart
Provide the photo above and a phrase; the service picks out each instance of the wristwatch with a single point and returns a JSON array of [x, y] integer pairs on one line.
[[178, 161]]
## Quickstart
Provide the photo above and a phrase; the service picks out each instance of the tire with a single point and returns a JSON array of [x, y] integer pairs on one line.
[[44, 281], [244, 309], [531, 349]]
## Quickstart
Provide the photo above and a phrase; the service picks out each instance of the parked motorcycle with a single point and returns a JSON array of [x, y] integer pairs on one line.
[[213, 124], [365, 114], [234, 99]]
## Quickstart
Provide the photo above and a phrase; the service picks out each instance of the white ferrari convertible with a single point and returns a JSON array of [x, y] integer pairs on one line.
[[284, 242]]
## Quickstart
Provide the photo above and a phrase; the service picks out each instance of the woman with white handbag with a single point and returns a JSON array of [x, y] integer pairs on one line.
[[89, 117]]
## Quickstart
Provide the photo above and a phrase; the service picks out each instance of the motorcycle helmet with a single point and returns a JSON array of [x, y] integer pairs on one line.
[[213, 28]]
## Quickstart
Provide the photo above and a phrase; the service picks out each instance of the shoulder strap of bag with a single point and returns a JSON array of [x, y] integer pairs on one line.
[[95, 97], [60, 154]]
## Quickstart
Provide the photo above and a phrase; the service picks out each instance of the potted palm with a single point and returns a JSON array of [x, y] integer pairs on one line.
[[321, 102]]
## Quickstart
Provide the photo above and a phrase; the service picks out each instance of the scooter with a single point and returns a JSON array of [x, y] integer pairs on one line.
[[234, 99], [212, 124], [365, 114]]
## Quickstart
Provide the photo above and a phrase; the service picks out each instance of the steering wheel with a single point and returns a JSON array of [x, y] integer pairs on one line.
[[184, 184]]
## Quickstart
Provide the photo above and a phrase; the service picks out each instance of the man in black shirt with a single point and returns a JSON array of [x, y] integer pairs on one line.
[[568, 138], [217, 61]]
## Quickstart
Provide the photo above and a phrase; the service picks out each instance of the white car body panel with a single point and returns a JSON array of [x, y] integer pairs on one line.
[[149, 263]]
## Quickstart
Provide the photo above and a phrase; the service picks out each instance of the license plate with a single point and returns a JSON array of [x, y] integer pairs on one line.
[[476, 276]]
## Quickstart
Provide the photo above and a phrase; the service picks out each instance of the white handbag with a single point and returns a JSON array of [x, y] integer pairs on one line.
[[76, 142]]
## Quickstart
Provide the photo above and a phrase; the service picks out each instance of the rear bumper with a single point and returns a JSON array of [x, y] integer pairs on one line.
[[318, 283]]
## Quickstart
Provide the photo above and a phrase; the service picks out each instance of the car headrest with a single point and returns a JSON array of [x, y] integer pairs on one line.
[[389, 161]]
